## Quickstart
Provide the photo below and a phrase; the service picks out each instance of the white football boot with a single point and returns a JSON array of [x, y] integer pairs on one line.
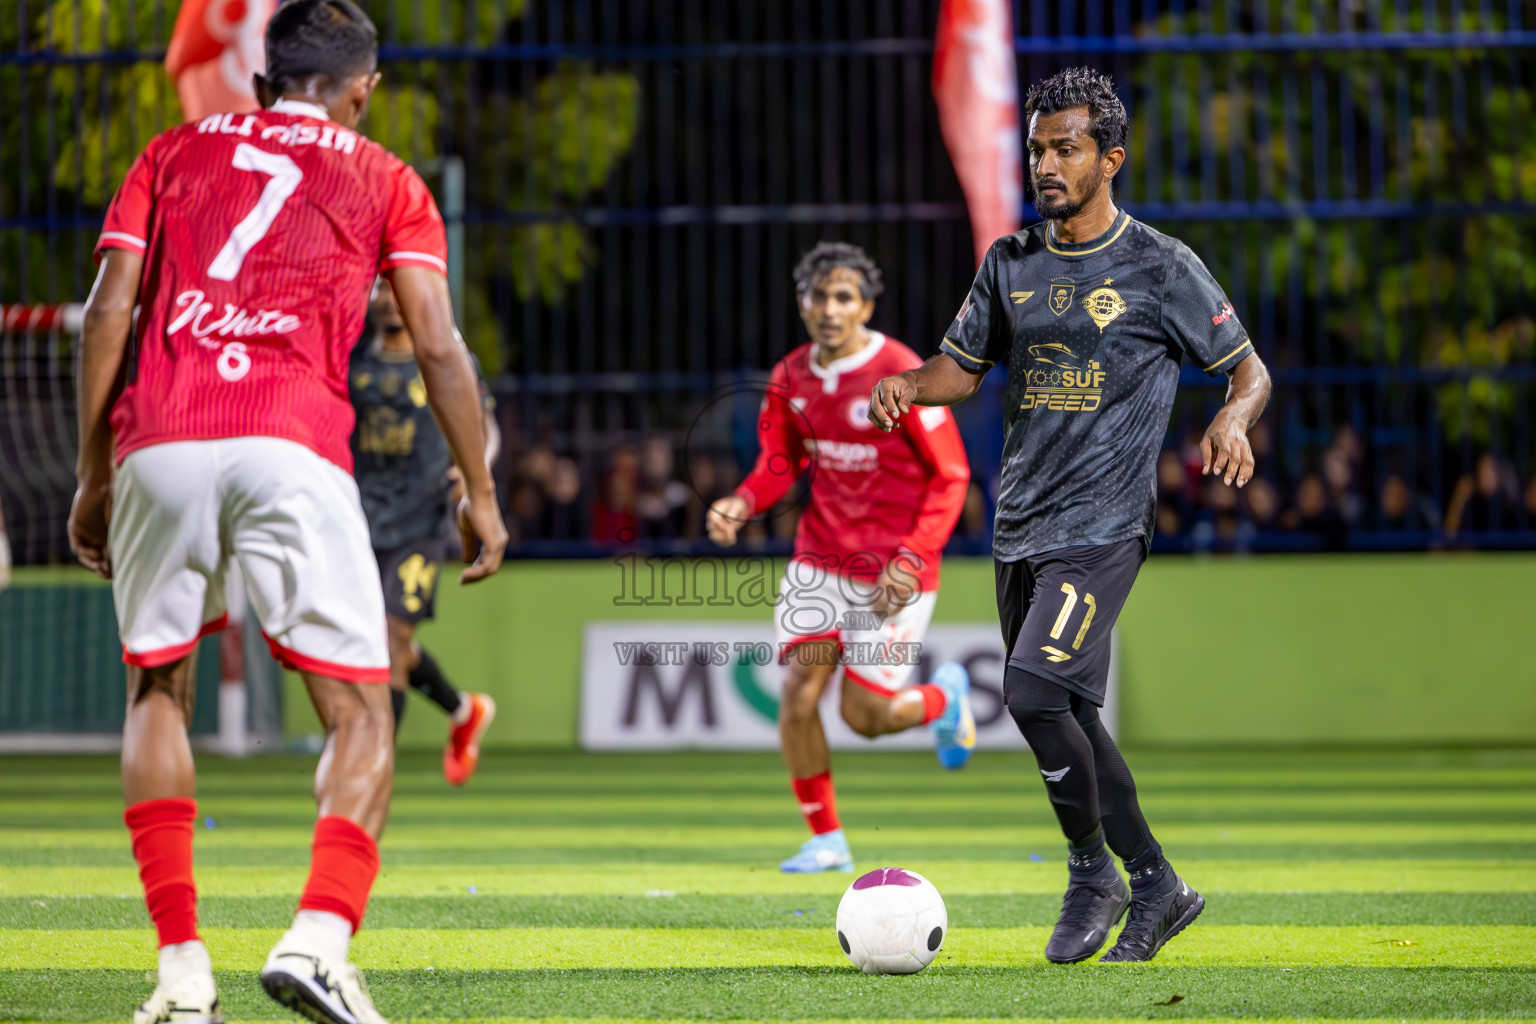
[[186, 993], [315, 980]]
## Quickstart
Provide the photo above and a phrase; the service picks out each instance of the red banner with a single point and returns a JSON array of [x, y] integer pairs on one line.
[[976, 87], [215, 49]]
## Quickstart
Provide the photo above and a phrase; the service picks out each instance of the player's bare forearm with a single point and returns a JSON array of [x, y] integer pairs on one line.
[[103, 346], [939, 381], [104, 337], [453, 392], [1248, 392], [1225, 449]]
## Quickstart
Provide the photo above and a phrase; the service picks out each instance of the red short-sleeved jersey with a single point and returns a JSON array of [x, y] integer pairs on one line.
[[261, 235], [874, 496]]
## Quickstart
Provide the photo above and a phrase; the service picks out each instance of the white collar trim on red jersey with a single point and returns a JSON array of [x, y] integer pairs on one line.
[[301, 109], [847, 364]]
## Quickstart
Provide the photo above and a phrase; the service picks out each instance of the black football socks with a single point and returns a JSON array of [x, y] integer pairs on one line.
[[1043, 712], [397, 705], [1124, 825], [427, 679]]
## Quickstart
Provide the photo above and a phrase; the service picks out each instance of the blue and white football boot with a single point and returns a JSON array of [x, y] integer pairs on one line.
[[826, 852], [954, 732]]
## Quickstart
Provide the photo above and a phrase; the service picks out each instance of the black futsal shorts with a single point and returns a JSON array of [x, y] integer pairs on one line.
[[1059, 608]]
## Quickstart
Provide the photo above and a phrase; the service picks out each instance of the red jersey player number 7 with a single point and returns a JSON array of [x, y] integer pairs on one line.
[[215, 428]]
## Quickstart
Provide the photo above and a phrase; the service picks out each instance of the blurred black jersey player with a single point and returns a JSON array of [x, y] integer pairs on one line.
[[408, 485], [1092, 313]]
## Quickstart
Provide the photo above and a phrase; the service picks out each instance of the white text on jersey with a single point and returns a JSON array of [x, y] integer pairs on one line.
[[325, 136], [235, 321], [845, 456]]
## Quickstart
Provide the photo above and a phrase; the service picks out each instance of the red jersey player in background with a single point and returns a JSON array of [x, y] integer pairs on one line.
[[861, 587], [250, 242]]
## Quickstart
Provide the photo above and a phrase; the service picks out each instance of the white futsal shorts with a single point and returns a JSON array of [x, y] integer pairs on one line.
[[876, 653], [182, 510]]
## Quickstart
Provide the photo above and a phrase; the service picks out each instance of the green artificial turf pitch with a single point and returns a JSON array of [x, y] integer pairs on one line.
[[586, 888]]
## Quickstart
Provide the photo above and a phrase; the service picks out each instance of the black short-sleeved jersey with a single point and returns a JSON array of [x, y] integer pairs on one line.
[[1092, 335], [400, 458]]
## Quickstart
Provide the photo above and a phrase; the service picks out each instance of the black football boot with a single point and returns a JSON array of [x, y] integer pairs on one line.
[[1161, 907], [1096, 900]]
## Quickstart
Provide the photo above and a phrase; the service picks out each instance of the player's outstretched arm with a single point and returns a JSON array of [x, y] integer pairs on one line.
[[103, 344], [453, 392], [939, 381], [1225, 447]]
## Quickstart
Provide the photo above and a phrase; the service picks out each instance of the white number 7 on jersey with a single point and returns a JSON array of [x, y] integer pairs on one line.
[[286, 176]]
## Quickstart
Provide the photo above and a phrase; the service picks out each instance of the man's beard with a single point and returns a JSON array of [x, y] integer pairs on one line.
[[1063, 208]]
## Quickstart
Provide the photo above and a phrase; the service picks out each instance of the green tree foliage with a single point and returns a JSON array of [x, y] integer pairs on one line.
[[535, 150], [1443, 293]]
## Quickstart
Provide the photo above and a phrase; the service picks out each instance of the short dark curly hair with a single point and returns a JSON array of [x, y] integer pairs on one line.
[[329, 39], [828, 256], [1082, 87]]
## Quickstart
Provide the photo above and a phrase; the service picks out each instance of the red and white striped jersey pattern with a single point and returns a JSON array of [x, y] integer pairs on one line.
[[261, 235]]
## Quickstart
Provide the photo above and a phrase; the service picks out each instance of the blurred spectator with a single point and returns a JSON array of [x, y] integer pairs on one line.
[[704, 488], [1221, 500], [1347, 441], [614, 518], [1312, 513], [564, 515], [545, 497], [1483, 499], [661, 499], [1261, 438], [1259, 507], [1401, 509], [1339, 475], [640, 493], [1175, 504], [1262, 502]]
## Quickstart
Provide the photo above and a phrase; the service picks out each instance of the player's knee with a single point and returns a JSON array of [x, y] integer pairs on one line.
[[801, 694], [1033, 700], [402, 635], [167, 682], [862, 720], [366, 719], [799, 703]]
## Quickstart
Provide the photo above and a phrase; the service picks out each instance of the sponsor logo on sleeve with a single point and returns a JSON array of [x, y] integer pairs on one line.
[[1224, 314]]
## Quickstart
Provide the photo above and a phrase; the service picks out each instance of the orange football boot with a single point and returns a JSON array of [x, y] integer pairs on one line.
[[462, 754]]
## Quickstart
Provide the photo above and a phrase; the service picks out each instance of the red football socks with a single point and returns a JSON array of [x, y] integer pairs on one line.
[[933, 701], [162, 844], [817, 802], [345, 861]]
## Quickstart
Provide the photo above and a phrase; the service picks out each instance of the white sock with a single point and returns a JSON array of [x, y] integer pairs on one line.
[[323, 928], [181, 959], [462, 712]]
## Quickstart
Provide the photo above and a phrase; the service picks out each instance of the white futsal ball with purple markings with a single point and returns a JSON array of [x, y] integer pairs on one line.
[[891, 921]]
